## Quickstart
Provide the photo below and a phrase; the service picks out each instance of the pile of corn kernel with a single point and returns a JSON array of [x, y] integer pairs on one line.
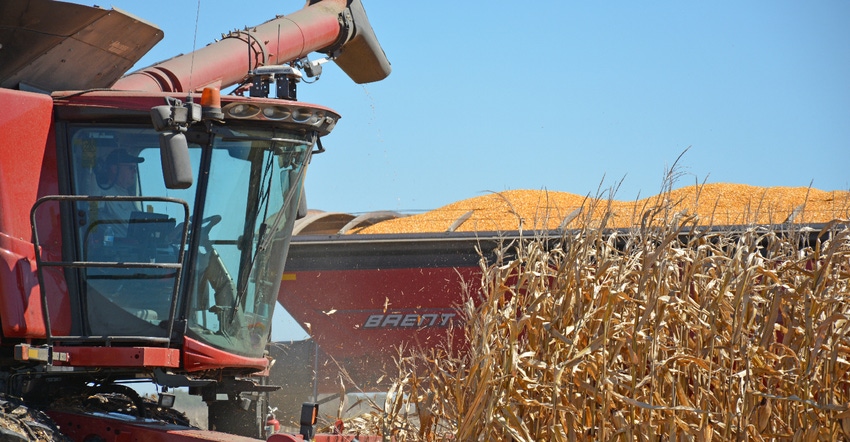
[[717, 204]]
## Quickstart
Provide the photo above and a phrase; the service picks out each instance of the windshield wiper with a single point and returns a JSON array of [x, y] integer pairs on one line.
[[263, 203]]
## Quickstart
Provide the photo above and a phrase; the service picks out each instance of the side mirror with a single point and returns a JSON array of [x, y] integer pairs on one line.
[[171, 121], [176, 165]]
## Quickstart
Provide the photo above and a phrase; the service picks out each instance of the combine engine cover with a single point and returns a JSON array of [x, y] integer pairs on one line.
[[49, 46]]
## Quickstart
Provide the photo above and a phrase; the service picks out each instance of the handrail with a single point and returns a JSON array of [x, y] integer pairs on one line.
[[41, 263]]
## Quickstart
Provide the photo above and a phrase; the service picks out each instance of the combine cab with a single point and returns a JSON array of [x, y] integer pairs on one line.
[[145, 218]]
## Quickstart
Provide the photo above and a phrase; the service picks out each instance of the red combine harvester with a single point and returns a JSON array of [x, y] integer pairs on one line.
[[143, 235]]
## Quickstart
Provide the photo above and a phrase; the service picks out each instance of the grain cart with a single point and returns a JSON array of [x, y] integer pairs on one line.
[[144, 219], [364, 295]]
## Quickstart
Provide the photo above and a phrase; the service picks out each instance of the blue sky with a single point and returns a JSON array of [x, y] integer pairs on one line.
[[563, 96]]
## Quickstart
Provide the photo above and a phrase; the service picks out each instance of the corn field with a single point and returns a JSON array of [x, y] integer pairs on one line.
[[666, 331]]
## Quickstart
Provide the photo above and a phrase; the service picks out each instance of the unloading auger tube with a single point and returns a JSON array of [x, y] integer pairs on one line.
[[338, 28]]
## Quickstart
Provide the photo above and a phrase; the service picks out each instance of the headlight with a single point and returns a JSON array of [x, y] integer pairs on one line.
[[320, 120]]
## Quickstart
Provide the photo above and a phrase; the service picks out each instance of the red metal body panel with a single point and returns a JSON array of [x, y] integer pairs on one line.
[[277, 41], [280, 437], [113, 428], [144, 101], [120, 356], [353, 313], [365, 296], [347, 438], [27, 172], [20, 305], [26, 130], [200, 357], [360, 318]]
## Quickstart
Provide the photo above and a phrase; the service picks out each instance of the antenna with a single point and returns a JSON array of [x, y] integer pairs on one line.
[[194, 46]]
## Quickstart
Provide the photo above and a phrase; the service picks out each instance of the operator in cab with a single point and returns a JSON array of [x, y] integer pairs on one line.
[[119, 176]]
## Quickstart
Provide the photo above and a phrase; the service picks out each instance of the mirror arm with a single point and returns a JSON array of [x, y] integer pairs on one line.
[[172, 121]]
